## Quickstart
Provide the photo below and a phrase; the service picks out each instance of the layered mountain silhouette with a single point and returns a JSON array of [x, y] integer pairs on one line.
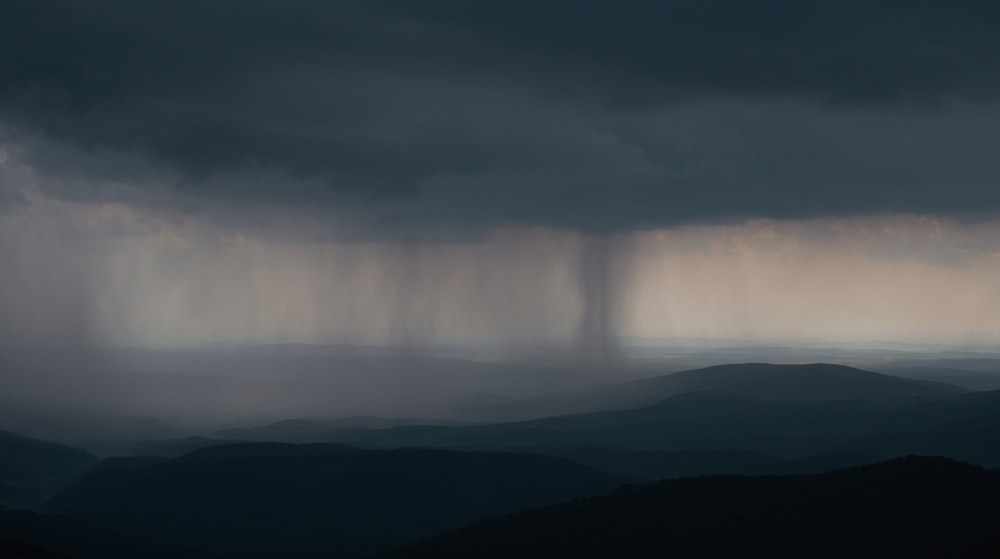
[[975, 440], [739, 415], [31, 469], [310, 430], [909, 507], [376, 484], [670, 464], [790, 411], [972, 379], [318, 500], [764, 381]]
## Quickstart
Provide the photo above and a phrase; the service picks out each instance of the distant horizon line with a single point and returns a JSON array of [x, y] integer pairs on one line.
[[635, 343]]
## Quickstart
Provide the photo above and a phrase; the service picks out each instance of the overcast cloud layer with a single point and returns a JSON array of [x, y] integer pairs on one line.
[[417, 173], [380, 117]]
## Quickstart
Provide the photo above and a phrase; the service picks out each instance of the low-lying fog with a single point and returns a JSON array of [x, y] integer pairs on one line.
[[88, 396]]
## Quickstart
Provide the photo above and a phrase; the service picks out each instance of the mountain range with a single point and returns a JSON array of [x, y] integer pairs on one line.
[[743, 449], [267, 500]]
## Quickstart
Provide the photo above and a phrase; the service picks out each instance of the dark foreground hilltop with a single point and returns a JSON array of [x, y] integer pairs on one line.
[[908, 507]]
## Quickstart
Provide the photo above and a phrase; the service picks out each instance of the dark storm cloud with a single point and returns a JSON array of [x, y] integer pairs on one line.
[[583, 114], [846, 51]]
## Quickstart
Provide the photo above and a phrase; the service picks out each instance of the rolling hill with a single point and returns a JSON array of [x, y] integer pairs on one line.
[[683, 422], [852, 417], [318, 500], [31, 469], [792, 410], [972, 379], [703, 420], [909, 507], [763, 381], [28, 535], [656, 465]]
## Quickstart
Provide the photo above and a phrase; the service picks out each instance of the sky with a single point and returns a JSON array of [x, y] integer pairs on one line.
[[406, 173]]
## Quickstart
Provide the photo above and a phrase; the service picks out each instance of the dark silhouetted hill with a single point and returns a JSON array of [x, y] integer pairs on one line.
[[735, 421], [667, 464], [43, 536], [169, 448], [31, 469], [975, 440], [762, 381], [692, 421], [20, 550], [318, 500], [304, 431], [816, 382], [971, 379], [909, 507]]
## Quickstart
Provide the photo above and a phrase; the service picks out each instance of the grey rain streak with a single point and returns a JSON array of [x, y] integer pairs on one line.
[[413, 124]]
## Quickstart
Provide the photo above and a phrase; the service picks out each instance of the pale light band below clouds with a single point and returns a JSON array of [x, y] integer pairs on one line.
[[110, 274]]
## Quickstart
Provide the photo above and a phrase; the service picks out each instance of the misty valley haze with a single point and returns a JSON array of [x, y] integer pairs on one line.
[[361, 278]]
